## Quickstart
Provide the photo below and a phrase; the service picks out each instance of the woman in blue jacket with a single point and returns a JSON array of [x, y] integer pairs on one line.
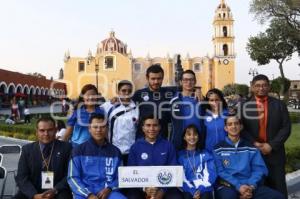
[[198, 165], [215, 114]]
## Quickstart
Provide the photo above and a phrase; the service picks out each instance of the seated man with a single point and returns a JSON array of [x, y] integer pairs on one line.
[[43, 165], [94, 164], [240, 167], [152, 150]]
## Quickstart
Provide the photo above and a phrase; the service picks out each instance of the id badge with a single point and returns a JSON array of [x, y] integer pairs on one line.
[[47, 179]]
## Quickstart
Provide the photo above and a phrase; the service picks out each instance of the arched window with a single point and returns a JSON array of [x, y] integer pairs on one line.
[[81, 66], [109, 62], [197, 67], [137, 67], [224, 31], [224, 15], [225, 49]]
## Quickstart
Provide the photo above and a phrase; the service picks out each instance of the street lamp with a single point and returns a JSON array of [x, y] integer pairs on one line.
[[253, 72], [96, 70]]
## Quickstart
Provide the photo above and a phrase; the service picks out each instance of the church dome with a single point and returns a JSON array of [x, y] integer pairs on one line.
[[112, 44]]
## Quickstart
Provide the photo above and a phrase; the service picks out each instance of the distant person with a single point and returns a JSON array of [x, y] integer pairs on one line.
[[154, 99], [26, 115], [15, 110], [21, 106], [93, 169], [186, 109], [64, 107], [198, 166], [152, 150], [10, 120], [215, 113], [43, 165], [122, 119], [268, 126], [77, 124], [240, 166], [61, 129]]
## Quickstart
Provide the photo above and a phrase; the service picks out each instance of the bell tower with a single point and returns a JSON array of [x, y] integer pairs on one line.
[[223, 41], [223, 38]]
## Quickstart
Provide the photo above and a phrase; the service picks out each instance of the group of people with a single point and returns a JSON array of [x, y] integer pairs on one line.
[[19, 111], [223, 154]]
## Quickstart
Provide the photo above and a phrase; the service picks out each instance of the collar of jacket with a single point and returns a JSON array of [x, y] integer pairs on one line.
[[158, 139], [228, 141], [93, 143]]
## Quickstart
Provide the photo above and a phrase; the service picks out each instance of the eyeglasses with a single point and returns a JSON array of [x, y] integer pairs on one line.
[[98, 126], [261, 85]]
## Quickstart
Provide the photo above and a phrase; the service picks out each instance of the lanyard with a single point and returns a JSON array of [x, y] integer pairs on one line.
[[192, 164], [46, 161]]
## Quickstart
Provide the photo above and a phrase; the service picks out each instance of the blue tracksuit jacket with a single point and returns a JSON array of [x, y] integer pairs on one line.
[[143, 153], [215, 132], [79, 120], [185, 111], [93, 168], [239, 165], [202, 176]]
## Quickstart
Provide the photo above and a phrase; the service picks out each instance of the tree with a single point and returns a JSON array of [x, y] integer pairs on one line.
[[287, 10], [239, 89], [275, 44], [276, 85]]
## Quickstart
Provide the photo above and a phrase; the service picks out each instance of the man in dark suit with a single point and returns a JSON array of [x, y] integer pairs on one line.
[[267, 125], [43, 165]]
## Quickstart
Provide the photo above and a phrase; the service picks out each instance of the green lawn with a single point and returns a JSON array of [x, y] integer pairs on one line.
[[294, 139], [292, 147]]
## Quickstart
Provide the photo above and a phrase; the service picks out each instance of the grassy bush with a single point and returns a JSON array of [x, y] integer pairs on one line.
[[295, 117], [20, 128], [32, 137], [292, 147], [293, 159], [20, 136]]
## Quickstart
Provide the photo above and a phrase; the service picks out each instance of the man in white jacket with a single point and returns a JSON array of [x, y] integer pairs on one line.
[[122, 119]]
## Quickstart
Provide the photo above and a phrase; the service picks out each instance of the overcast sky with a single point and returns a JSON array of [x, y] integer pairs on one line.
[[35, 34]]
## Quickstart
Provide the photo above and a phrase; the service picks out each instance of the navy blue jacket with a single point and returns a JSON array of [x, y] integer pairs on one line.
[[156, 103], [185, 111], [143, 153], [239, 165]]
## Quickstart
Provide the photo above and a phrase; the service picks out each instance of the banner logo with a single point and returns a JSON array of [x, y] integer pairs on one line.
[[164, 177]]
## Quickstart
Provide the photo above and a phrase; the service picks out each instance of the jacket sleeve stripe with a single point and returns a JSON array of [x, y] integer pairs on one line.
[[74, 185]]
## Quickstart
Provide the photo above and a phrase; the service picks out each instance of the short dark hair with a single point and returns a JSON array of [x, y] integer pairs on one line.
[[155, 68], [201, 137], [232, 115], [97, 116], [188, 72], [124, 82], [260, 77], [149, 116], [45, 119]]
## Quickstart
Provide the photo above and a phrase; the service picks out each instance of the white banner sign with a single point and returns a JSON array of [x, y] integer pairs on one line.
[[150, 176]]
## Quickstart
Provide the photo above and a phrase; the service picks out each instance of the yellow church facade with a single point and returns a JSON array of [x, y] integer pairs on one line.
[[113, 62]]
